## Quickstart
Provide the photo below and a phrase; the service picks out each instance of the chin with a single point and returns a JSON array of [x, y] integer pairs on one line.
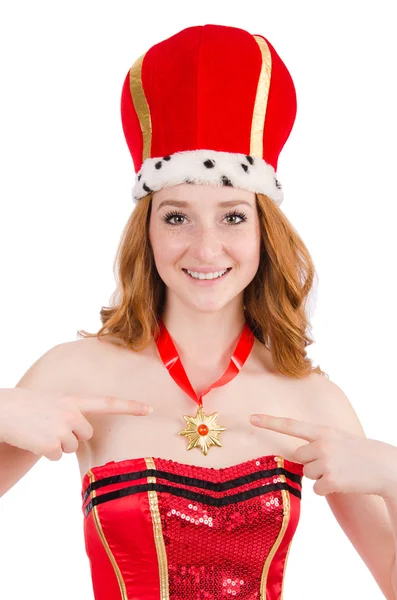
[[201, 304], [205, 300], [208, 307]]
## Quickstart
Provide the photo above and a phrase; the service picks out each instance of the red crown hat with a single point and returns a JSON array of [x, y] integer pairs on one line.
[[211, 104]]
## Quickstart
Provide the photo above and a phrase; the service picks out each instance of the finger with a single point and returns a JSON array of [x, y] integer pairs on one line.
[[294, 427], [83, 430], [69, 443], [307, 453], [314, 469], [110, 405], [54, 452]]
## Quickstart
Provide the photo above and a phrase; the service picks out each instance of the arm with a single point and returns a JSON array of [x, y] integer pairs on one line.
[[44, 375], [369, 521], [391, 505]]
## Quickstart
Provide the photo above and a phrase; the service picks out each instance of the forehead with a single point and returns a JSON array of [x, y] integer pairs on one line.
[[195, 194]]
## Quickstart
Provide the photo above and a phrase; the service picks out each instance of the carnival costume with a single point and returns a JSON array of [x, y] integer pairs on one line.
[[211, 105]]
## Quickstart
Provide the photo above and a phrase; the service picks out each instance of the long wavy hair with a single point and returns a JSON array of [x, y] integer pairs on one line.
[[275, 300]]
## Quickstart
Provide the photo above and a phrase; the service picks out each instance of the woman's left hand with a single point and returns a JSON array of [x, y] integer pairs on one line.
[[340, 461]]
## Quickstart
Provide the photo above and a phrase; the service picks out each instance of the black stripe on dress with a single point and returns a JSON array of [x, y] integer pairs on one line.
[[191, 495], [191, 481]]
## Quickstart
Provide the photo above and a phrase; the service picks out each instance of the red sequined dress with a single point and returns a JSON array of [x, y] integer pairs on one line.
[[157, 529]]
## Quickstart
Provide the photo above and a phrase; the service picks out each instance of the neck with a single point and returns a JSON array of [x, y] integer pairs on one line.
[[204, 338]]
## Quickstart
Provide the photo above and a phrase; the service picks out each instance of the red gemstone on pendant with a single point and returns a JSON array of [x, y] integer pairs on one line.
[[202, 429]]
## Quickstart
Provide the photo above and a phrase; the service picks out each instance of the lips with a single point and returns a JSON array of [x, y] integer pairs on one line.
[[206, 270], [205, 280]]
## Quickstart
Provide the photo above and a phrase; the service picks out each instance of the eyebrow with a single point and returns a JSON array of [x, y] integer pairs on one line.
[[184, 204]]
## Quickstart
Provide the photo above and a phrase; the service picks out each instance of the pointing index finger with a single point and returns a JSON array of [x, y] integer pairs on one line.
[[110, 405], [296, 428]]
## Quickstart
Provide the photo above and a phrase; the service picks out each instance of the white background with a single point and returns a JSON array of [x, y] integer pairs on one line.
[[65, 195]]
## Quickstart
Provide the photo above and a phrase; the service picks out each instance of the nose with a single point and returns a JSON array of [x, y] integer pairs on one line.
[[206, 245]]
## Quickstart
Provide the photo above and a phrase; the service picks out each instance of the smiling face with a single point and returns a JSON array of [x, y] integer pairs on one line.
[[206, 243]]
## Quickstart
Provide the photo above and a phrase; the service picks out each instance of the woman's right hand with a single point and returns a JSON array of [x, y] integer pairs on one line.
[[49, 425]]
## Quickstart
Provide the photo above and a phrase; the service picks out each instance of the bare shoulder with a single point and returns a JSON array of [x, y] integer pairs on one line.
[[329, 404], [324, 392], [63, 363], [88, 366]]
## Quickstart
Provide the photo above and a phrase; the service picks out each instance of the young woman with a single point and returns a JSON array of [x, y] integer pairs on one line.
[[208, 326]]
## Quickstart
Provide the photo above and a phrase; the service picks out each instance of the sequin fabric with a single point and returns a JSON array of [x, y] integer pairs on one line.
[[156, 528]]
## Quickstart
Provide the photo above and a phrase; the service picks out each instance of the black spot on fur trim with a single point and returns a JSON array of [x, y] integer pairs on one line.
[[244, 167], [226, 181], [189, 181], [158, 164], [250, 159], [278, 184], [139, 176], [209, 163], [146, 188], [168, 157]]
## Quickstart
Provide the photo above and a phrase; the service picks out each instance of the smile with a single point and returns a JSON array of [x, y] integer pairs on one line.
[[206, 276]]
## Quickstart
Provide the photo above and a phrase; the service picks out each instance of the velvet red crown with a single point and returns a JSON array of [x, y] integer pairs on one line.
[[211, 104]]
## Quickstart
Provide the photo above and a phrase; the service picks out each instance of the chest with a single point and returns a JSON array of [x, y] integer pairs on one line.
[[119, 437]]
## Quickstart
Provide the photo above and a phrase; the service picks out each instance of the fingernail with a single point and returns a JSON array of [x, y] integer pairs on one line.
[[255, 419], [149, 409]]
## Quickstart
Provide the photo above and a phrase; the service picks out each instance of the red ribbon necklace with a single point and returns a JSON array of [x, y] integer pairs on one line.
[[202, 430]]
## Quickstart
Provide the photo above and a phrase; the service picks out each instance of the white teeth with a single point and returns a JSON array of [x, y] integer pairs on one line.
[[213, 275]]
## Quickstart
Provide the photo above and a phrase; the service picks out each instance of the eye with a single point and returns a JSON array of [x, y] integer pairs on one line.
[[173, 214], [235, 214], [175, 217]]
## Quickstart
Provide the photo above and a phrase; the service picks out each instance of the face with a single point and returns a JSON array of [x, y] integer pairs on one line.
[[206, 243]]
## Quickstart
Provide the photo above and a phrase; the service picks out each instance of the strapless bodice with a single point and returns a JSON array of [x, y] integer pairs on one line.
[[157, 529]]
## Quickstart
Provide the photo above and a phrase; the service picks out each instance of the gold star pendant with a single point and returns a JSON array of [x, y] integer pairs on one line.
[[202, 430]]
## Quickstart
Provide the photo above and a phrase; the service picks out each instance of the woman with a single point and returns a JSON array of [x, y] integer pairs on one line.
[[208, 326]]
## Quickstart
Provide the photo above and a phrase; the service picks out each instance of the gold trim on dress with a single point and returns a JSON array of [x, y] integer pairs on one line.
[[158, 534], [141, 106], [262, 94], [284, 570], [117, 571], [286, 519]]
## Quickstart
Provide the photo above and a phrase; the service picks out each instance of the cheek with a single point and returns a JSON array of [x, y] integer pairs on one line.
[[155, 242], [247, 248], [166, 247]]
